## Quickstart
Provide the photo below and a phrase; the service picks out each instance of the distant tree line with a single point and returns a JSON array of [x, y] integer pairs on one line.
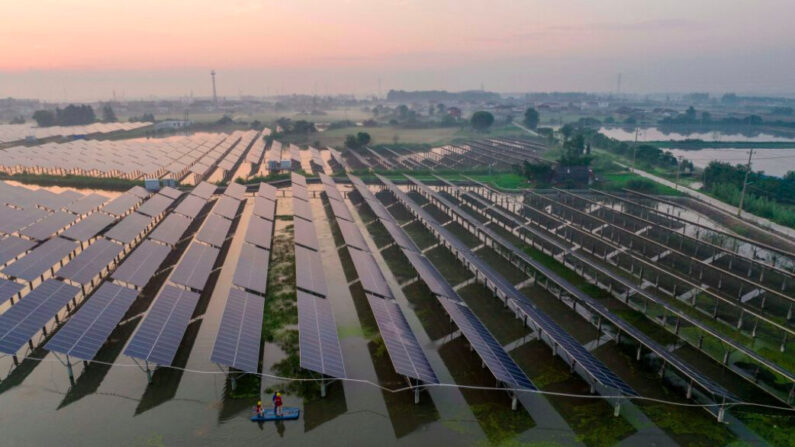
[[71, 115], [360, 140], [441, 95]]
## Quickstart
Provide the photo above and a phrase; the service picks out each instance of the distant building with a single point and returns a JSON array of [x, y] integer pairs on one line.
[[455, 112], [574, 176], [172, 124]]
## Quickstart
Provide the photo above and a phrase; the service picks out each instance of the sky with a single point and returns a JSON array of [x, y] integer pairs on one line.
[[63, 50]]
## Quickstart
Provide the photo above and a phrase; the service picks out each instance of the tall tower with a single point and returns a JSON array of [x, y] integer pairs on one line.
[[215, 95]]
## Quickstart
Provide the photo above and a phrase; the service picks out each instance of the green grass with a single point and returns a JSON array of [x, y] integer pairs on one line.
[[777, 429], [618, 180], [73, 181]]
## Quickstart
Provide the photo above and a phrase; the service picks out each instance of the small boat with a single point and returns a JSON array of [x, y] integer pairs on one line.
[[288, 413]]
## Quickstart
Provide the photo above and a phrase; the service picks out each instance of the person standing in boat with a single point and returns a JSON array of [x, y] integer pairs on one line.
[[277, 404]]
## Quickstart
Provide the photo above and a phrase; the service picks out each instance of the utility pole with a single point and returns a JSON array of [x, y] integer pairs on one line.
[[745, 183], [678, 170], [215, 95], [635, 148]]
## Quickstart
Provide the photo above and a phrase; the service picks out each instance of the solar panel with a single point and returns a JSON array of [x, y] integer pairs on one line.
[[9, 289], [236, 191], [404, 350], [21, 321], [369, 273], [85, 266], [352, 235], [398, 235], [319, 344], [490, 351], [142, 264], [238, 341], [226, 207], [264, 208], [309, 271], [333, 193], [305, 234], [129, 228], [87, 330], [340, 210], [139, 192], [214, 230], [171, 193], [297, 179], [267, 191], [204, 190], [302, 209], [172, 228], [120, 205], [13, 246], [89, 227], [259, 232], [251, 271], [48, 226], [41, 259], [156, 205], [195, 266], [429, 275], [86, 204], [160, 333], [190, 206]]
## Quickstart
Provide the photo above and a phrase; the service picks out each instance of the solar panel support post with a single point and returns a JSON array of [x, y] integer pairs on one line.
[[148, 372], [617, 408], [69, 370], [322, 387]]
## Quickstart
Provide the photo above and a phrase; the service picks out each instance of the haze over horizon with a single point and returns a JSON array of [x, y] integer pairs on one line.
[[88, 50]]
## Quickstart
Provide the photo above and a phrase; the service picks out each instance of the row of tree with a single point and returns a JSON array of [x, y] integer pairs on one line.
[[73, 115]]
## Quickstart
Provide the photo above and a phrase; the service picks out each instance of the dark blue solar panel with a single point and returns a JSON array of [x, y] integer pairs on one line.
[[48, 226], [156, 205], [340, 210], [404, 350], [90, 262], [22, 320], [86, 331], [129, 228], [490, 351], [238, 341], [41, 259], [160, 333], [304, 232], [88, 227], [252, 269], [9, 289], [170, 192], [171, 229], [12, 246], [204, 190], [86, 204], [195, 266], [333, 193], [369, 273], [139, 267], [352, 235], [13, 219], [318, 341], [120, 205], [214, 230], [309, 271]]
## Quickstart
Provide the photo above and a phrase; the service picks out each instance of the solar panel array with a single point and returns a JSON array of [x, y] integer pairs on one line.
[[86, 204], [226, 207], [259, 232], [214, 230], [139, 267], [264, 208], [172, 228], [122, 204], [129, 228], [404, 350], [191, 206], [194, 269], [40, 259], [318, 341], [235, 191], [251, 272], [88, 227], [86, 331], [13, 246], [16, 132], [9, 289], [159, 335], [21, 321], [238, 342], [48, 226], [155, 206], [489, 350]]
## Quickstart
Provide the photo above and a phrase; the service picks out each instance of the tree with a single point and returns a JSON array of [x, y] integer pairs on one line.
[[351, 142], [531, 118], [573, 152], [402, 111], [108, 115], [690, 114], [44, 118], [481, 120], [363, 138], [441, 108]]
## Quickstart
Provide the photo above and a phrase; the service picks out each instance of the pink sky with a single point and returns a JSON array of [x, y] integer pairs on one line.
[[143, 47]]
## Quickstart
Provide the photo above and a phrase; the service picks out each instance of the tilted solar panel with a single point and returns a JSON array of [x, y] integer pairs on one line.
[[309, 271], [214, 230], [259, 232], [87, 330], [333, 193], [204, 190], [86, 204], [139, 267], [190, 206], [129, 228], [21, 321], [404, 350], [369, 273], [264, 208], [251, 272], [302, 209], [300, 192], [171, 229], [121, 205], [297, 179], [226, 207], [155, 206], [85, 266], [267, 191], [319, 345], [236, 191], [195, 266], [238, 341], [89, 227], [350, 232], [13, 246], [305, 234], [160, 333], [170, 192], [41, 259], [48, 226], [9, 289], [341, 210]]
